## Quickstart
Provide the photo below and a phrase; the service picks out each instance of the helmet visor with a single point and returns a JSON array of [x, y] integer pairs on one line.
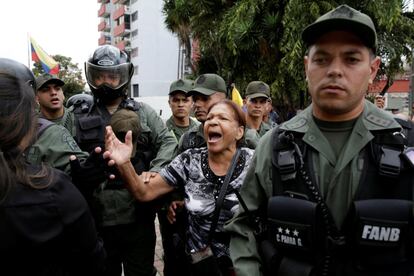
[[111, 76]]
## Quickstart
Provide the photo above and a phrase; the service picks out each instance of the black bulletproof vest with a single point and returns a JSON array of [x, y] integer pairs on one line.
[[386, 176], [90, 132]]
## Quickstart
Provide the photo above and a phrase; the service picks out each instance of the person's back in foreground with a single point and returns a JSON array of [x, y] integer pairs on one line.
[[45, 224], [332, 184]]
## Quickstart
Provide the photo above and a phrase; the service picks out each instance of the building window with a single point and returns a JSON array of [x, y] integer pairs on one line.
[[134, 33], [135, 90], [134, 16], [136, 70]]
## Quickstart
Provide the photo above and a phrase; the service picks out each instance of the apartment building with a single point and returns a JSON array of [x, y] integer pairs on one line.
[[137, 26]]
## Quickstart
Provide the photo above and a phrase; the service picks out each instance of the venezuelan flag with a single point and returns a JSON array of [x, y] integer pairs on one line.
[[50, 66], [235, 96]]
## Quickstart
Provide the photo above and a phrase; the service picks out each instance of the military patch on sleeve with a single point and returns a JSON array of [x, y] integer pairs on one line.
[[68, 140]]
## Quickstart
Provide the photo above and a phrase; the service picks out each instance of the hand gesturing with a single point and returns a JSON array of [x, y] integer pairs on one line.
[[118, 152]]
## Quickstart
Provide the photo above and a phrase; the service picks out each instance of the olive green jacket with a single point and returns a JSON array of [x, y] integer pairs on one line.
[[54, 147], [337, 179], [253, 136], [179, 131], [64, 120]]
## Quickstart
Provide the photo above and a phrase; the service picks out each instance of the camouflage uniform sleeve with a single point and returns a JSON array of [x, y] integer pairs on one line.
[[256, 189], [163, 141], [54, 147]]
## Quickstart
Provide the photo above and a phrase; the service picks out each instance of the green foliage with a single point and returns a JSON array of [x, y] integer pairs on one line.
[[249, 40], [69, 72]]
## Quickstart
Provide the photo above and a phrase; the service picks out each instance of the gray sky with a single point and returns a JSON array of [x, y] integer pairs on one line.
[[65, 27]]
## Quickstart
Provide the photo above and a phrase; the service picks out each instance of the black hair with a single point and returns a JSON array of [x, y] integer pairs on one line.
[[18, 122]]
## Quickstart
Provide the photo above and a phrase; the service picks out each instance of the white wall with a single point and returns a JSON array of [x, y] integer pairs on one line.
[[160, 105], [157, 58]]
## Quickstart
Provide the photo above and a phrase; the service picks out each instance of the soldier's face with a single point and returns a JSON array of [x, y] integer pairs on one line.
[[50, 97], [180, 105], [202, 104], [108, 78], [339, 68], [256, 107]]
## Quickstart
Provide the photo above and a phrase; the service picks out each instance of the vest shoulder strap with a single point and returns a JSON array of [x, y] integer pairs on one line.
[[43, 124], [130, 104], [407, 130], [286, 159]]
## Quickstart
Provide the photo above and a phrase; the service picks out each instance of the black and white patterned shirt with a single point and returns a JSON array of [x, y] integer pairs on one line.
[[190, 170]]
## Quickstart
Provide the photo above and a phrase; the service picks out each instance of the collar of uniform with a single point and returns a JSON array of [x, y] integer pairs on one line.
[[299, 123], [264, 127], [200, 130], [373, 119]]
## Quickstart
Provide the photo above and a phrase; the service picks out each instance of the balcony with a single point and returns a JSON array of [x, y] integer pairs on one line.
[[123, 44], [118, 12], [103, 12], [121, 29], [103, 26], [104, 40]]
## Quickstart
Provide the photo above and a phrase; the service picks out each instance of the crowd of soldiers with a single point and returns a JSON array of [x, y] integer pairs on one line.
[[328, 192]]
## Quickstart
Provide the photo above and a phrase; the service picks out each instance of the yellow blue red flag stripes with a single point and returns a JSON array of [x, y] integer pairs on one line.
[[235, 96], [49, 65]]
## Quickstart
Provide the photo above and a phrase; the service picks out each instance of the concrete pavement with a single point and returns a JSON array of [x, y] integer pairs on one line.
[[158, 262]]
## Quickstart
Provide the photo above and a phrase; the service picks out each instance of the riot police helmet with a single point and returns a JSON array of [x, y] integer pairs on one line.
[[79, 99], [108, 73], [18, 70]]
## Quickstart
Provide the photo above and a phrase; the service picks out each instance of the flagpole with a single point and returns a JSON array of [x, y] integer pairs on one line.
[[29, 52]]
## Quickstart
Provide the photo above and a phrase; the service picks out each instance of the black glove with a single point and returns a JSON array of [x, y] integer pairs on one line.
[[87, 175]]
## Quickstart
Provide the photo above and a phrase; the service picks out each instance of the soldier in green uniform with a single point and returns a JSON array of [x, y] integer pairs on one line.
[[50, 97], [333, 185], [207, 90], [127, 227], [174, 257], [180, 104], [54, 144], [257, 95]]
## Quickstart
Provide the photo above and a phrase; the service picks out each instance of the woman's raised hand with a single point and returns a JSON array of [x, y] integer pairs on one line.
[[117, 152]]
